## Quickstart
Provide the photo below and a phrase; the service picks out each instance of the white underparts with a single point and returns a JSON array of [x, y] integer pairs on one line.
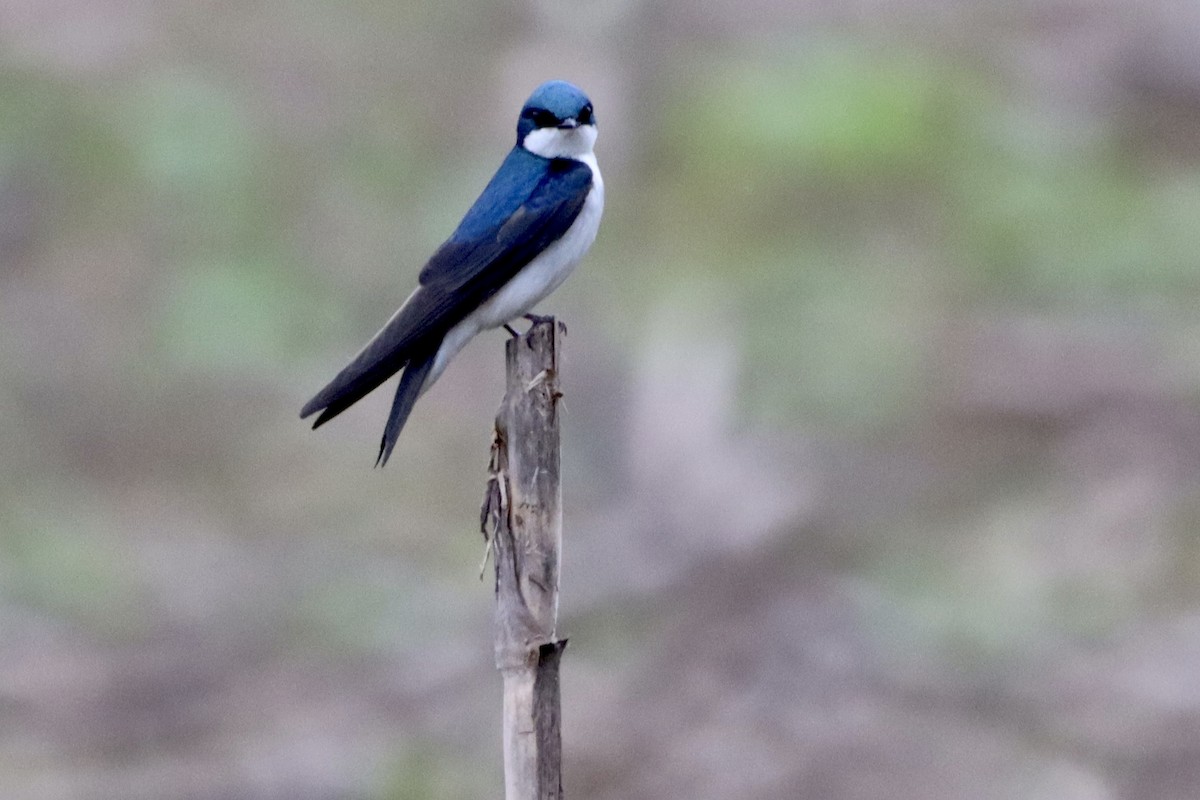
[[543, 274]]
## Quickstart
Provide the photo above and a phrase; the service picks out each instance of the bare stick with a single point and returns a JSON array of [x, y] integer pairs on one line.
[[522, 516]]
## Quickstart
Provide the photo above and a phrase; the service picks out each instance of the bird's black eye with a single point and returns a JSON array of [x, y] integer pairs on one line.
[[585, 116], [540, 116]]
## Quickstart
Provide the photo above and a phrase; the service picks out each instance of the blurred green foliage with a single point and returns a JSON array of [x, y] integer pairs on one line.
[[68, 561], [845, 196], [835, 199], [429, 773], [197, 234]]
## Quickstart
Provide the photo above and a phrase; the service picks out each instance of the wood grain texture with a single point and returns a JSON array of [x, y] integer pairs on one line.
[[522, 518]]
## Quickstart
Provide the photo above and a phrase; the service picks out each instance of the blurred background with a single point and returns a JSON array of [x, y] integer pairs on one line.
[[882, 433]]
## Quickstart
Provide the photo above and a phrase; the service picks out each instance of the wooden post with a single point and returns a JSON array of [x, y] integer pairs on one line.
[[522, 516]]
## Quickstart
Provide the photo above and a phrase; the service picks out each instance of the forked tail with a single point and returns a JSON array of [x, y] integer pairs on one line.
[[412, 380]]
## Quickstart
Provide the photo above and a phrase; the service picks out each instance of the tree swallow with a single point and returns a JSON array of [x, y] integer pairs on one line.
[[535, 219]]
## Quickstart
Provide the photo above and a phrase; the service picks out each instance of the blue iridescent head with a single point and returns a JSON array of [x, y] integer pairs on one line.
[[557, 121]]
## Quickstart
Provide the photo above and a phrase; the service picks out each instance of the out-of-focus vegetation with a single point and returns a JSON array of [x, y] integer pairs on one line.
[[883, 433]]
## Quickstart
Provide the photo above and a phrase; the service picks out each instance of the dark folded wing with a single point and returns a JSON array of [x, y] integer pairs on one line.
[[480, 264], [464, 272], [419, 321]]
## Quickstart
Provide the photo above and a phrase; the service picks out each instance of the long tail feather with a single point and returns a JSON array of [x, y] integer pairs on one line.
[[410, 328], [349, 387], [411, 383]]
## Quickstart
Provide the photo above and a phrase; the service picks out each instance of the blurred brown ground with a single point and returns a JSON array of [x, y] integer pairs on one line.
[[883, 414]]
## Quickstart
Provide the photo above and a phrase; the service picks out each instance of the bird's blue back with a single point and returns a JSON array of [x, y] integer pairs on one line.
[[511, 186]]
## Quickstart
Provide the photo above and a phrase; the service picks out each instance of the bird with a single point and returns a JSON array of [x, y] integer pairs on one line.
[[533, 222]]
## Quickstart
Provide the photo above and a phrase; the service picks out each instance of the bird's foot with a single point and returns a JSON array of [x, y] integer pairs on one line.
[[512, 331], [536, 319]]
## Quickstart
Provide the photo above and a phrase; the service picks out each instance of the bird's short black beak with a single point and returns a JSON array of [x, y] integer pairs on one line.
[[568, 123]]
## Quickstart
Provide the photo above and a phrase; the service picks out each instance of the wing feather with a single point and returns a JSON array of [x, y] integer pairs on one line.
[[473, 264]]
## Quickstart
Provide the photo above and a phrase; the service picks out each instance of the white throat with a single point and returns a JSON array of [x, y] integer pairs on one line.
[[575, 143], [550, 268]]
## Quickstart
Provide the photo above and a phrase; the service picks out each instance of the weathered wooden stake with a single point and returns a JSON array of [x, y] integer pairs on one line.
[[522, 516]]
